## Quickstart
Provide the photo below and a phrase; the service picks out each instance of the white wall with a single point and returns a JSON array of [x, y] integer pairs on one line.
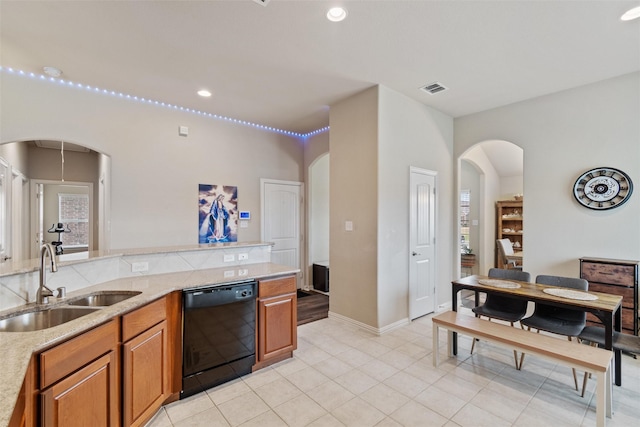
[[155, 172], [470, 179], [563, 135], [319, 210], [376, 136], [489, 193], [354, 197], [315, 147], [510, 186], [411, 134]]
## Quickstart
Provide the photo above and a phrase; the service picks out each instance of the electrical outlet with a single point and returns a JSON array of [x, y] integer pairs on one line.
[[243, 257], [229, 273], [139, 267], [229, 258], [243, 272]]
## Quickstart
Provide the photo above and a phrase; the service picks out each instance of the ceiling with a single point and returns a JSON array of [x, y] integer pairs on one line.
[[284, 64]]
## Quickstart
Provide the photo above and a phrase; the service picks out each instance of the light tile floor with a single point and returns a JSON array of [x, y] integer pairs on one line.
[[342, 375]]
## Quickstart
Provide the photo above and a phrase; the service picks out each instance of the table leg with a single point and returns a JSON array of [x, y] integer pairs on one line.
[[453, 348], [617, 354], [612, 323]]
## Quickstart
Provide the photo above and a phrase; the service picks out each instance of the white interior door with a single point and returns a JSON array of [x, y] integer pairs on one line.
[[281, 208], [422, 242]]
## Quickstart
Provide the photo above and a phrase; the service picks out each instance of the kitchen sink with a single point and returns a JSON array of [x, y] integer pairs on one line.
[[43, 319], [102, 299]]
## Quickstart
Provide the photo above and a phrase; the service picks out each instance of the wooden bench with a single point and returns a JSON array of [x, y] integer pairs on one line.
[[594, 360]]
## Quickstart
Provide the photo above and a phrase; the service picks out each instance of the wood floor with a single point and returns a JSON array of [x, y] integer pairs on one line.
[[312, 306]]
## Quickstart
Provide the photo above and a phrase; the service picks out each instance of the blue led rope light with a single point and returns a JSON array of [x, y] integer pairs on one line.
[[303, 136]]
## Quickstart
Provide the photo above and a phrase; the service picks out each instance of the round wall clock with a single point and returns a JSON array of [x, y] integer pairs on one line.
[[603, 188]]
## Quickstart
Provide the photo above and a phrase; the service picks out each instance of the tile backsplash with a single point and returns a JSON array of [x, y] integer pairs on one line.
[[19, 289]]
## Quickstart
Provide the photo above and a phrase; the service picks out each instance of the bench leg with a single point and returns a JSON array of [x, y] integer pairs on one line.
[[600, 400], [607, 382], [603, 397]]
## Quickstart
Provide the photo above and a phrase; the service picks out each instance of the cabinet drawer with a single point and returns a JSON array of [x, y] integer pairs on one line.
[[143, 318], [273, 287], [625, 292], [608, 273], [72, 355]]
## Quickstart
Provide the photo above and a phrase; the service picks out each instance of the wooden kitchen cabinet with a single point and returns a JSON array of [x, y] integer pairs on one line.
[[146, 370], [79, 380], [277, 314], [617, 277], [88, 397]]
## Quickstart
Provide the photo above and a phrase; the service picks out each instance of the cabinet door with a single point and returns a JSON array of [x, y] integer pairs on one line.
[[145, 371], [277, 322], [88, 397]]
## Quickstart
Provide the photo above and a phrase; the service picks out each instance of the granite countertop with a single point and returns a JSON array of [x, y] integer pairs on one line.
[[16, 348]]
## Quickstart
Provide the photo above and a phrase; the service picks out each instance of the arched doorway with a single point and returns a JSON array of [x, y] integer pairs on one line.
[[489, 171], [318, 214]]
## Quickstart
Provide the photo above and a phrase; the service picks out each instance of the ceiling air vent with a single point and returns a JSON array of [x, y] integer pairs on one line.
[[262, 2], [433, 88]]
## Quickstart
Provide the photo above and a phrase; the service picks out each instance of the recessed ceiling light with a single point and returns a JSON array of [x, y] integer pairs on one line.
[[336, 14], [52, 71], [204, 93], [631, 14]]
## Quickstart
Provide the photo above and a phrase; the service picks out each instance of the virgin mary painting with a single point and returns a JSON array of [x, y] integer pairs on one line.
[[218, 213]]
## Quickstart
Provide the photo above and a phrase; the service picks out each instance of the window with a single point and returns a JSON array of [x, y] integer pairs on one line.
[[465, 201], [73, 211]]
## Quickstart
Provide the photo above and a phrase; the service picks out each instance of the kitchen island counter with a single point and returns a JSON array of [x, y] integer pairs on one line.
[[16, 348]]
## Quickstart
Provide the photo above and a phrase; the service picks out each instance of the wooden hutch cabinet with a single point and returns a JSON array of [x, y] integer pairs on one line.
[[618, 277], [509, 224]]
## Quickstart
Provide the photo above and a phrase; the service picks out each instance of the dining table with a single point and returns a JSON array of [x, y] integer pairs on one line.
[[605, 307]]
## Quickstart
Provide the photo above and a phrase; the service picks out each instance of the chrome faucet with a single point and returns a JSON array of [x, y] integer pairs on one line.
[[43, 294]]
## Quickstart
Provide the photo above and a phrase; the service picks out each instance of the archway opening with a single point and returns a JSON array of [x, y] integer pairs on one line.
[[488, 172]]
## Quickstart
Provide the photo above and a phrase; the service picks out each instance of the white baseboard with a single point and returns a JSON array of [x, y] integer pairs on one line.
[[443, 307], [373, 330]]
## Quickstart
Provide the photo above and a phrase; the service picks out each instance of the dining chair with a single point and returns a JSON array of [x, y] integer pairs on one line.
[[503, 307], [505, 255], [595, 335], [558, 320]]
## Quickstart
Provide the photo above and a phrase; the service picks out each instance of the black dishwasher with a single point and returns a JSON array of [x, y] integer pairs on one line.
[[219, 333]]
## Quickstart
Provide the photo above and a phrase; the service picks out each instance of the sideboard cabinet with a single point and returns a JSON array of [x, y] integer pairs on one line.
[[618, 277]]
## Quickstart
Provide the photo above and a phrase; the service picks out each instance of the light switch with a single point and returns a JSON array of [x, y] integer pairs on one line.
[[474, 222], [348, 225], [183, 130]]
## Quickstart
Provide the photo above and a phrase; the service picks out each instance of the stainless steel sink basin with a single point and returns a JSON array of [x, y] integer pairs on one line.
[[102, 299], [37, 320]]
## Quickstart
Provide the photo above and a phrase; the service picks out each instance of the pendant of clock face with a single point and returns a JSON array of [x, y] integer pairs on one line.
[[603, 188]]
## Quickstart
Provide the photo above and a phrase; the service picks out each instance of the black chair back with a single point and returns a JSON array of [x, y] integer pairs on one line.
[[562, 314]]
